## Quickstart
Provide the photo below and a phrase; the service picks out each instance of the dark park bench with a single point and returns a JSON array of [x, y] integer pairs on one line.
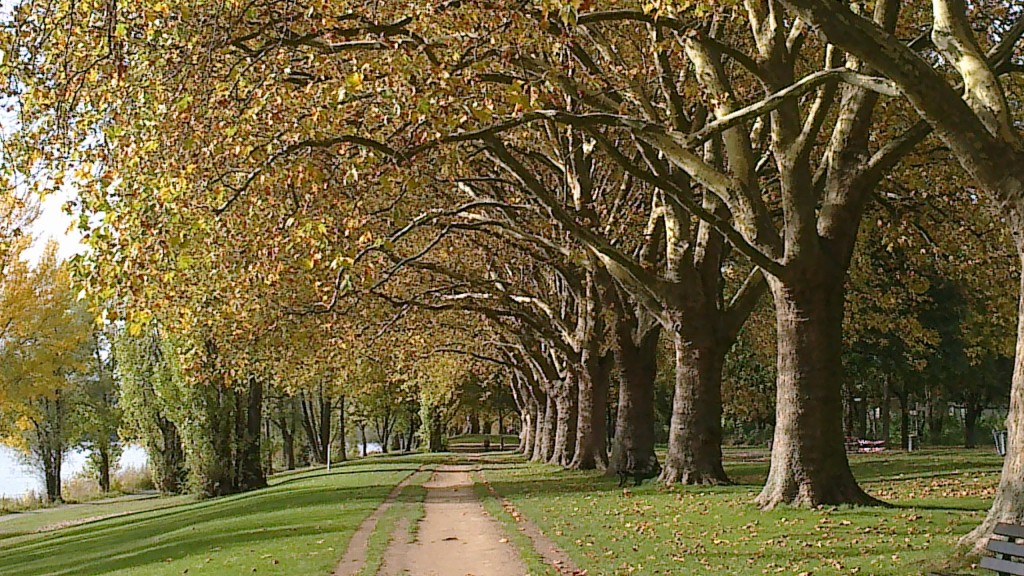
[[863, 446], [1009, 553], [1009, 559]]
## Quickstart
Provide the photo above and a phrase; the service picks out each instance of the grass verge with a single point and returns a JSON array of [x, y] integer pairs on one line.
[[511, 441], [938, 495], [51, 518], [301, 524], [535, 563], [407, 509]]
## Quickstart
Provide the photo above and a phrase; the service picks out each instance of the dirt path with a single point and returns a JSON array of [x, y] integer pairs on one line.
[[456, 536], [355, 555]]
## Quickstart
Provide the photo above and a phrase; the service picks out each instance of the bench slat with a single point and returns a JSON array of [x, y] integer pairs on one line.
[[1004, 547], [1003, 566], [1010, 530]]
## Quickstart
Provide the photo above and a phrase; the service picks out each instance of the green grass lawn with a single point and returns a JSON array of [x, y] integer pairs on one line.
[[299, 525], [511, 441], [938, 495], [56, 517], [409, 509]]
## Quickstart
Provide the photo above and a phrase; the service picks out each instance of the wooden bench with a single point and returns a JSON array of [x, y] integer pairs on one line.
[[1009, 553], [862, 446]]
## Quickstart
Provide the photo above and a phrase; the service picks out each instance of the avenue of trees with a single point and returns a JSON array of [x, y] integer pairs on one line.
[[625, 223]]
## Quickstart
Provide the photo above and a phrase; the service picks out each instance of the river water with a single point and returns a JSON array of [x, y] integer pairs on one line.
[[16, 479]]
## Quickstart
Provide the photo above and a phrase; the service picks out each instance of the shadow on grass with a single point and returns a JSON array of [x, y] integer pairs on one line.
[[752, 475], [939, 507], [341, 472], [138, 540]]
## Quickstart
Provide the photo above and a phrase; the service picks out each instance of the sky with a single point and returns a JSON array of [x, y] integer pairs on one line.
[[54, 224]]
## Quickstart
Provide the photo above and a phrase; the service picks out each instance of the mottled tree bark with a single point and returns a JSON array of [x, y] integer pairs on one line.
[[1008, 505], [591, 428], [637, 365], [975, 122], [566, 408], [695, 434], [526, 432], [809, 464], [104, 464], [546, 438], [250, 475], [51, 475]]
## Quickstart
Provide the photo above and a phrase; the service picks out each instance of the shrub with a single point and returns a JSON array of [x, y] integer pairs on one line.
[[28, 501], [132, 480]]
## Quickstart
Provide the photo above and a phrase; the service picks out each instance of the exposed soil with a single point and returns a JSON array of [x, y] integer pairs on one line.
[[355, 555], [544, 546], [456, 537]]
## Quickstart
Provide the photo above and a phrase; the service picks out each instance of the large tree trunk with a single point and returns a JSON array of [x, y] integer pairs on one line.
[[52, 462], [977, 125], [250, 466], [886, 410], [435, 438], [583, 456], [637, 365], [546, 438], [526, 432], [104, 465], [566, 407], [1008, 505], [695, 434], [313, 429], [971, 413], [342, 432], [540, 426], [937, 409], [904, 419], [809, 465], [167, 458], [325, 427], [410, 436], [288, 447], [591, 444]]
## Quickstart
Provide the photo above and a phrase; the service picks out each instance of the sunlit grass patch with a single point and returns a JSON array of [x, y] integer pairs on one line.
[[938, 496], [301, 524]]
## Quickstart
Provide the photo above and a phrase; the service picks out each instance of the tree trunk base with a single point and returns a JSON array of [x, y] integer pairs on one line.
[[806, 494], [589, 462], [974, 541], [693, 476]]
